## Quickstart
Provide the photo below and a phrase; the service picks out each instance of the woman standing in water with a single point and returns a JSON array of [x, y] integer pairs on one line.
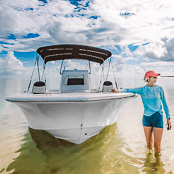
[[152, 97]]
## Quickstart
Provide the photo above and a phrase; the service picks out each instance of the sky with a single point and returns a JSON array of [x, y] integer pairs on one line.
[[140, 34]]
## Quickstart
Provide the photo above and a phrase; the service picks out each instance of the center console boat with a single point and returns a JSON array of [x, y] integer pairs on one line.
[[75, 113]]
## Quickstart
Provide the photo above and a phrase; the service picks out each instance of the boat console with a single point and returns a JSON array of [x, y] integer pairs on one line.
[[75, 81]]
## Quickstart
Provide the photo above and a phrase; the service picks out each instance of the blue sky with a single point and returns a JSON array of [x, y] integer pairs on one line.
[[138, 33]]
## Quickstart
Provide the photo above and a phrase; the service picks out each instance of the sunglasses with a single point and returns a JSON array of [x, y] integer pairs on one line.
[[153, 77]]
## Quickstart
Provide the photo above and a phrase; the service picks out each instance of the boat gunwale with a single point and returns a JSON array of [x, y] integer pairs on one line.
[[72, 101]]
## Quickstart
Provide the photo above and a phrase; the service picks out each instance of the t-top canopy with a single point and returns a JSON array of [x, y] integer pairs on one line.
[[62, 52]]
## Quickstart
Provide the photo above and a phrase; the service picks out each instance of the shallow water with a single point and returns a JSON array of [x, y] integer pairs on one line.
[[119, 148]]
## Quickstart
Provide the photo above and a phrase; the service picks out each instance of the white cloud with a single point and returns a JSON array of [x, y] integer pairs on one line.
[[126, 51], [151, 20], [164, 68], [21, 17], [11, 65], [60, 22], [130, 58], [161, 50]]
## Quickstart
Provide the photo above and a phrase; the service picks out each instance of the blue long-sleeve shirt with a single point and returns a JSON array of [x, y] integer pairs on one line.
[[152, 98]]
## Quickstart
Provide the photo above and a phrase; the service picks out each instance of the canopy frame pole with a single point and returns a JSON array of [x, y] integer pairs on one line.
[[32, 75], [45, 76], [61, 67], [38, 66], [109, 60], [44, 68], [103, 71], [89, 67], [43, 73], [101, 76], [116, 85]]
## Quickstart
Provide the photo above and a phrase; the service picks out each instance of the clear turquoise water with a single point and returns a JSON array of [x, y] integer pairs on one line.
[[119, 148]]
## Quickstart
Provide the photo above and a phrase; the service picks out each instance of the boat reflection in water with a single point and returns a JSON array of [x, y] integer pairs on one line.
[[76, 112], [41, 153]]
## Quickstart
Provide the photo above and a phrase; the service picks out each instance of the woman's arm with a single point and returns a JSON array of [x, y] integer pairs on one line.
[[132, 90], [163, 99], [166, 109]]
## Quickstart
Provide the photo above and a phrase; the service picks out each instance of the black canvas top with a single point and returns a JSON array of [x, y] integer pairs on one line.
[[62, 52]]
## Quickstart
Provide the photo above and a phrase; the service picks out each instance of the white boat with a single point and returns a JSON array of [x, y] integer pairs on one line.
[[75, 113]]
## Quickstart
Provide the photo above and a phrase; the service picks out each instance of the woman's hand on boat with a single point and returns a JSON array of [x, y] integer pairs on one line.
[[115, 91]]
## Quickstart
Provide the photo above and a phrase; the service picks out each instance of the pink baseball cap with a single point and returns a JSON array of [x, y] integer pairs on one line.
[[151, 74]]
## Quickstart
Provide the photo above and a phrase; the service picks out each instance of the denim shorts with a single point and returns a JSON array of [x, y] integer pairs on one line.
[[155, 120]]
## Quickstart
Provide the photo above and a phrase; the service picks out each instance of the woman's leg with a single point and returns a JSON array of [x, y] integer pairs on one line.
[[157, 139], [148, 134]]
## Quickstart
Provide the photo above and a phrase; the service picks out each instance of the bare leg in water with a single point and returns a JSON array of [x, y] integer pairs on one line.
[[148, 133], [157, 138], [157, 132]]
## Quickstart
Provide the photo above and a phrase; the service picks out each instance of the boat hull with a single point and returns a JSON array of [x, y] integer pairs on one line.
[[73, 121], [72, 117]]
